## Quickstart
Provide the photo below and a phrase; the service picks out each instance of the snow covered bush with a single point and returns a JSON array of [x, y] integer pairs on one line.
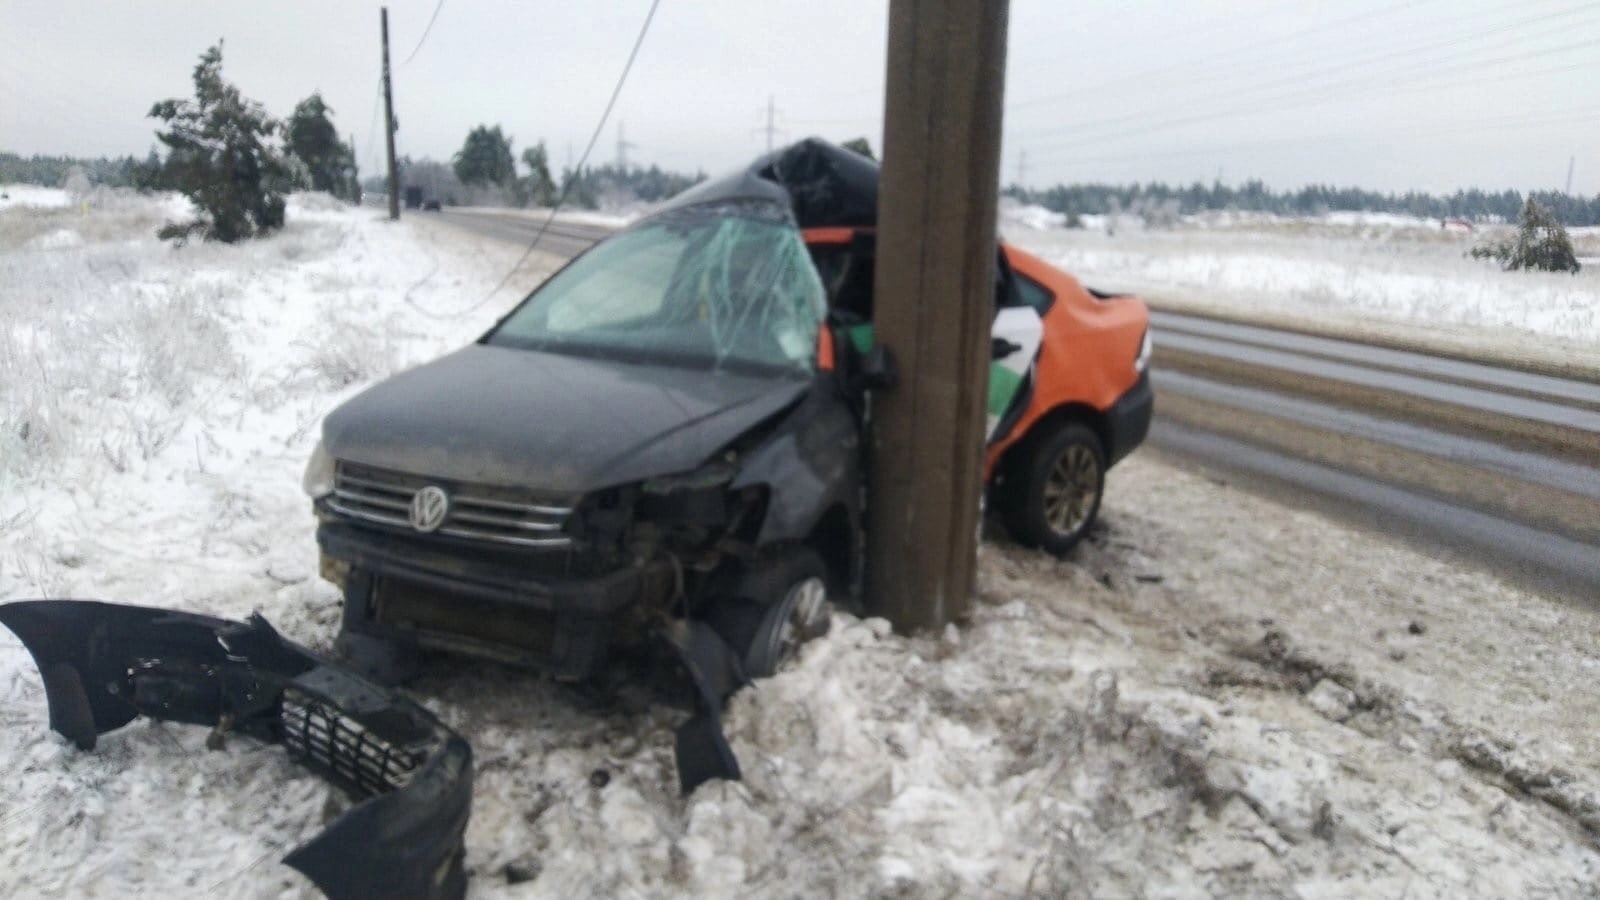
[[1541, 244], [221, 159]]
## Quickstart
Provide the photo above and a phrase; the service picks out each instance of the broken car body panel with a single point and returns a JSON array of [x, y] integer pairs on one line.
[[104, 665]]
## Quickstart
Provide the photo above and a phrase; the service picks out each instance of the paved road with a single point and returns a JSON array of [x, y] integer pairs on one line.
[[561, 238], [1491, 464]]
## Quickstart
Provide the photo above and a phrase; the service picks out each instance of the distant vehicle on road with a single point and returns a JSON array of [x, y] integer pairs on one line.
[[431, 205]]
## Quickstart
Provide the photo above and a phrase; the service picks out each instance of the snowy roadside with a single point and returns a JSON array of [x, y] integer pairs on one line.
[[1365, 278], [1218, 695], [157, 406]]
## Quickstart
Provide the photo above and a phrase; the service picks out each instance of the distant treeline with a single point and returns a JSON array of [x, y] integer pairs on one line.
[[1254, 196], [595, 186], [592, 187], [52, 171]]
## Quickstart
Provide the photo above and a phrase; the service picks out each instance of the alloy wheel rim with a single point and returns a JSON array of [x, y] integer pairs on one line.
[[1070, 490], [806, 602]]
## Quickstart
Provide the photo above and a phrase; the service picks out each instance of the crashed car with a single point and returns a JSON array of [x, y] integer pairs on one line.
[[666, 438]]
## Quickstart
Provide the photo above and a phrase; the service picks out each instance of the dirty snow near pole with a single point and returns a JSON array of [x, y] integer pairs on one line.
[[1217, 695]]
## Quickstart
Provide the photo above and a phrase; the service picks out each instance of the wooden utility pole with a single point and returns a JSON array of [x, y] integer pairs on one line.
[[388, 119], [935, 294]]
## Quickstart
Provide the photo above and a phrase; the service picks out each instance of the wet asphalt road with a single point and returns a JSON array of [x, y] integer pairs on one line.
[[561, 238], [1493, 466]]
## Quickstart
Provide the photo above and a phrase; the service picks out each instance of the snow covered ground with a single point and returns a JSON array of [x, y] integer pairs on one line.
[[1218, 695], [33, 197], [1357, 273]]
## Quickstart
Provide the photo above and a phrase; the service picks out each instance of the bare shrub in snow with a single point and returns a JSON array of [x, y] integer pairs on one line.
[[350, 351], [77, 184], [1157, 213]]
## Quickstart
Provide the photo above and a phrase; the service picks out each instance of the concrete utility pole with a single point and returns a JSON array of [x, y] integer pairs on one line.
[[388, 119], [1571, 161], [935, 294]]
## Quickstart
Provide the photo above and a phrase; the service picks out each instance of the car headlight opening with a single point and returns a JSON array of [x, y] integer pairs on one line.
[[318, 480]]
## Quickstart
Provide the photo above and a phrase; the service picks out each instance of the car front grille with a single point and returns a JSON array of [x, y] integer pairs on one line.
[[482, 513], [323, 738]]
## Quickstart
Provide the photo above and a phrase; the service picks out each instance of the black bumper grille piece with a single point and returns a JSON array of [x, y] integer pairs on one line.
[[325, 740], [105, 664]]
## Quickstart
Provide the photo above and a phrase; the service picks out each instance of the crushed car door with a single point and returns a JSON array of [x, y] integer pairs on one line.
[[1014, 343], [1017, 331]]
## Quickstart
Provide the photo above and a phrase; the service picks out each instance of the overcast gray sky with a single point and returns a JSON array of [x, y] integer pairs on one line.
[[1428, 94]]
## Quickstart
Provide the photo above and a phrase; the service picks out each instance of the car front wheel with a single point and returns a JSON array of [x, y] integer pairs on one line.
[[776, 606], [1054, 489]]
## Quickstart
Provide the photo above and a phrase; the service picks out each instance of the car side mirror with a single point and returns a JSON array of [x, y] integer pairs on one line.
[[878, 371]]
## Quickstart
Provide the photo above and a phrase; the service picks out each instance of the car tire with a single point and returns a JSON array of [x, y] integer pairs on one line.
[[1053, 490], [772, 608]]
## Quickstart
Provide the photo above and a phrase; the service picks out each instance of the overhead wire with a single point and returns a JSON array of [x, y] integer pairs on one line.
[[1433, 66], [1298, 77], [1528, 120], [566, 190], [1319, 95], [1186, 67], [420, 41]]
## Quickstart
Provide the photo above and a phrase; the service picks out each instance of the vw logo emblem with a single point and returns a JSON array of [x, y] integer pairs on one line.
[[429, 507]]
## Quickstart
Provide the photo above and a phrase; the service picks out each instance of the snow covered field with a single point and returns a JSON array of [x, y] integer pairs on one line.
[[1218, 695], [1361, 274]]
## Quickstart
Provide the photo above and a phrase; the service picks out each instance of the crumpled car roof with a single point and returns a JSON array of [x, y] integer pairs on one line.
[[824, 185]]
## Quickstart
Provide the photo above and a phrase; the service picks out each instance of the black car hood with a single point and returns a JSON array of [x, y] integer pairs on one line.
[[563, 424]]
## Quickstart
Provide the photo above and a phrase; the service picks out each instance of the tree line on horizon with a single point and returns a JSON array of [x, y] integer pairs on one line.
[[1471, 204], [485, 172]]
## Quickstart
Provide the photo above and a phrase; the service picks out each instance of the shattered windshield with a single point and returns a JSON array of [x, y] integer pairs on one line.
[[720, 285]]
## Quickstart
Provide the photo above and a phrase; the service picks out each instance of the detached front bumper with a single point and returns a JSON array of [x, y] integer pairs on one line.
[[1128, 420], [402, 590], [105, 664]]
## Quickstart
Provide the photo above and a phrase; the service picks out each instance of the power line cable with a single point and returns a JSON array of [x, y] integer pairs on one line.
[[1528, 120], [1236, 66], [1320, 94], [1236, 112], [431, 19], [566, 191], [1185, 67], [1431, 65]]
